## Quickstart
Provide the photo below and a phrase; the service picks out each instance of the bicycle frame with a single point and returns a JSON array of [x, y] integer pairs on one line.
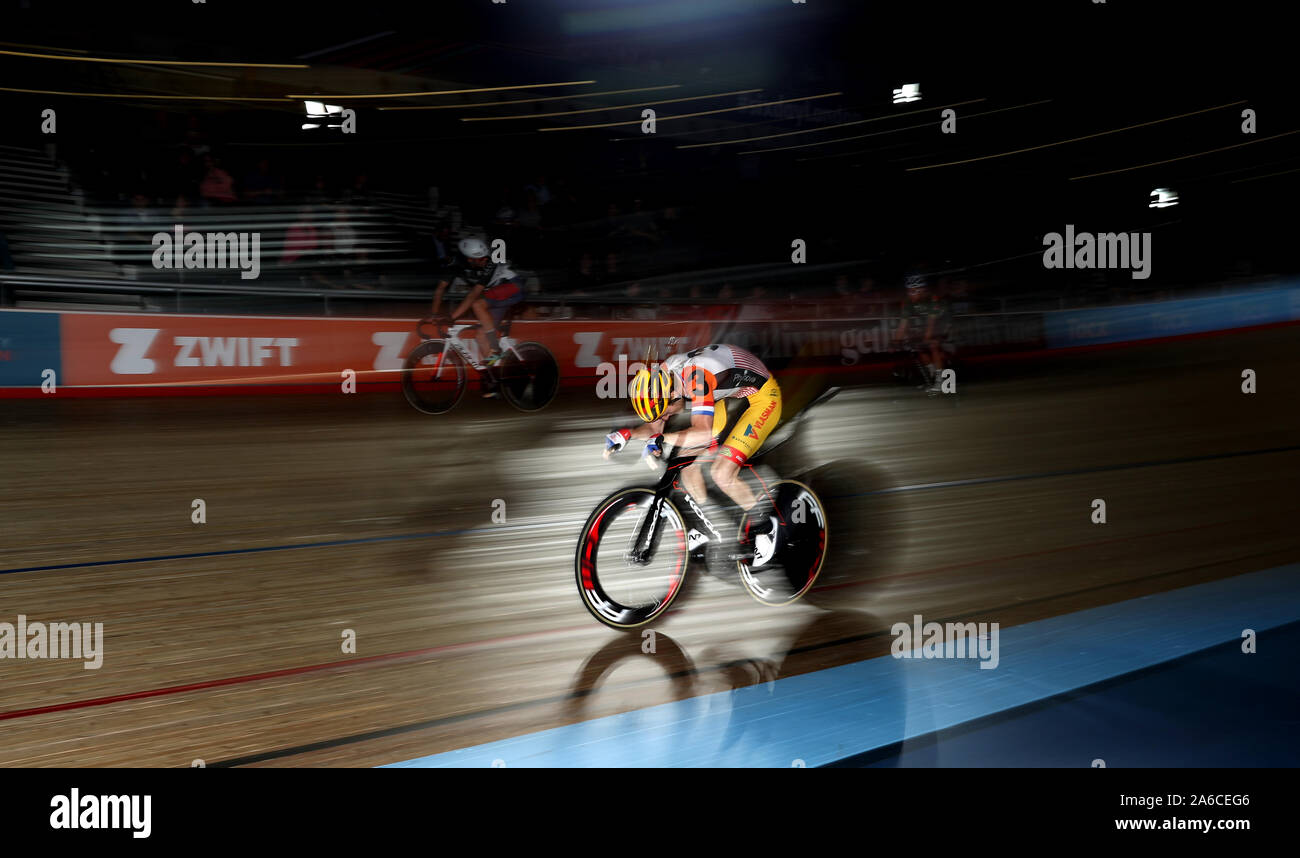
[[669, 484], [467, 347]]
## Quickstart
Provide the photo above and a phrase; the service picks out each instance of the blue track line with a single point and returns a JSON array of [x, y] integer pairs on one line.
[[826, 716]]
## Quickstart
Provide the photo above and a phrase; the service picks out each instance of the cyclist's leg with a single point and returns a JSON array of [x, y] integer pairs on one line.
[[497, 309], [749, 433], [487, 335], [697, 488], [693, 481]]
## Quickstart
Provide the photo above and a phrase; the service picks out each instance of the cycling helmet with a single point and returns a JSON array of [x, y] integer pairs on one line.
[[650, 393], [472, 248], [917, 282]]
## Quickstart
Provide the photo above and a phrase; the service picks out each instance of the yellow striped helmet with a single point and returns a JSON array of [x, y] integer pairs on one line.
[[650, 393]]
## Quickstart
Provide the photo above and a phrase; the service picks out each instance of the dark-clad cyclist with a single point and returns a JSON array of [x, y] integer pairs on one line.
[[926, 322], [493, 289]]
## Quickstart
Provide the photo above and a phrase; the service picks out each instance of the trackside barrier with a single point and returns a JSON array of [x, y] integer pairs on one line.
[[120, 354]]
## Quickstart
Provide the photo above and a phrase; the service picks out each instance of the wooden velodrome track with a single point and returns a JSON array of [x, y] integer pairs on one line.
[[378, 519]]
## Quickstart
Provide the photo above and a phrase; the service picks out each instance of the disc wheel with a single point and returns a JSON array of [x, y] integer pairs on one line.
[[529, 376], [800, 550]]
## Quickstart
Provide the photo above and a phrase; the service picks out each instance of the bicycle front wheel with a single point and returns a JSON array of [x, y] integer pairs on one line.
[[529, 376], [433, 377], [624, 584]]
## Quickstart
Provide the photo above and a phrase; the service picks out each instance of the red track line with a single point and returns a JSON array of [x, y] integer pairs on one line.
[[270, 674], [416, 653]]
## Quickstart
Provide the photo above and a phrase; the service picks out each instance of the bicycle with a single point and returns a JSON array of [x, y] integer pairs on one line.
[[641, 524], [912, 367], [434, 376]]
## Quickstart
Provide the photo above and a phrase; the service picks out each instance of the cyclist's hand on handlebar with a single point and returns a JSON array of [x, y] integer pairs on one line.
[[616, 441], [654, 446]]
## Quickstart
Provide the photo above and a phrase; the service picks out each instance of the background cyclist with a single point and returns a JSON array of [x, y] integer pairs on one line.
[[925, 324], [493, 289]]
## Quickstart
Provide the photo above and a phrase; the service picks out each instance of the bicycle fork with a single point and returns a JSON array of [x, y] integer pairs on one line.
[[647, 531]]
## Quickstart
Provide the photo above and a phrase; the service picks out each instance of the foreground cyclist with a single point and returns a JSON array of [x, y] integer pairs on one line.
[[708, 376]]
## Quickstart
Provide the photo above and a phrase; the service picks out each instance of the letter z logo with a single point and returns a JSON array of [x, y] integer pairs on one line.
[[130, 358]]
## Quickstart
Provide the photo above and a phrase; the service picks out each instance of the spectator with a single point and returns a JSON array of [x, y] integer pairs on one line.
[[442, 245], [319, 194], [260, 186], [217, 187], [358, 196], [302, 239], [139, 225], [195, 140], [530, 217], [563, 208], [528, 229], [539, 189], [343, 243], [870, 299], [584, 276], [180, 208], [612, 225], [182, 178], [725, 309]]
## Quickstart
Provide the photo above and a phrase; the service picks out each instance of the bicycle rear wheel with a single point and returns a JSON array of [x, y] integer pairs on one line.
[[617, 589], [433, 377], [801, 546], [529, 376]]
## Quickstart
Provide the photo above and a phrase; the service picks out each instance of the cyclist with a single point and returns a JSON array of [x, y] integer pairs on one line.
[[707, 377], [925, 324], [493, 289]]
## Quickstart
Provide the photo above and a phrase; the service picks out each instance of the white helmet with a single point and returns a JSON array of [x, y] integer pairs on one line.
[[472, 248]]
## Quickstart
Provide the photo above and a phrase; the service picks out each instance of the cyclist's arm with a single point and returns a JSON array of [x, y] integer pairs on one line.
[[699, 434], [437, 296], [649, 430], [929, 326], [700, 385], [473, 296]]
